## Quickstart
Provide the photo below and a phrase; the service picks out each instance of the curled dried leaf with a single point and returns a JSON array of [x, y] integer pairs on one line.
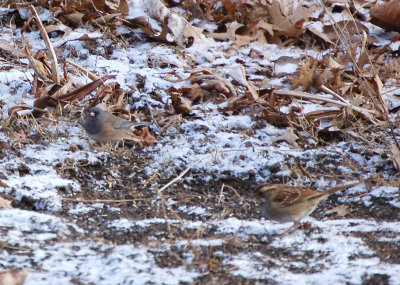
[[387, 16], [14, 110], [290, 137], [181, 105], [305, 77], [6, 146], [5, 204], [147, 139], [395, 156], [13, 277]]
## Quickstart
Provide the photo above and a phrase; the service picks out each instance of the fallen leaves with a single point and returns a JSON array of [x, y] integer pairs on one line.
[[50, 89], [387, 16], [395, 150], [290, 137], [62, 99], [146, 138], [5, 204], [13, 277], [180, 104], [345, 77], [339, 211], [288, 20]]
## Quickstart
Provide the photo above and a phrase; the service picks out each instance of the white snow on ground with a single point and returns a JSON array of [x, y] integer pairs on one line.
[[122, 264], [337, 256]]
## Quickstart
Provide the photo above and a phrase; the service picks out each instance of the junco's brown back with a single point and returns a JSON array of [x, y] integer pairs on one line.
[[105, 127]]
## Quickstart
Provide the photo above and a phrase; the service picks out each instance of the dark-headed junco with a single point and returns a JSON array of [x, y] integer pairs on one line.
[[105, 127]]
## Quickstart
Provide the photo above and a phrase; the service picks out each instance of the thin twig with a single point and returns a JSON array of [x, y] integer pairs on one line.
[[164, 212], [233, 189], [220, 193], [4, 245], [83, 70], [190, 239], [334, 94]]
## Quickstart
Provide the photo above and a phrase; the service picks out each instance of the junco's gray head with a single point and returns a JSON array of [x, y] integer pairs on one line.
[[105, 127]]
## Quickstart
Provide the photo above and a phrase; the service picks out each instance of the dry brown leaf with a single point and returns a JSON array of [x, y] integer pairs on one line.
[[218, 85], [59, 28], [106, 19], [75, 18], [345, 118], [345, 28], [290, 137], [387, 16], [78, 94], [255, 53], [5, 46], [172, 24], [147, 139], [266, 26], [50, 50], [340, 211], [192, 34], [18, 137], [235, 105], [163, 35], [226, 13], [39, 67], [180, 105], [5, 204], [378, 87], [2, 184], [123, 7], [63, 90], [322, 35], [243, 40], [193, 92], [325, 77], [363, 59], [276, 118], [305, 77], [333, 64], [289, 22], [109, 93], [395, 156], [14, 110], [218, 36], [208, 82], [6, 146], [238, 73], [252, 93], [238, 39], [141, 23], [13, 277]]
